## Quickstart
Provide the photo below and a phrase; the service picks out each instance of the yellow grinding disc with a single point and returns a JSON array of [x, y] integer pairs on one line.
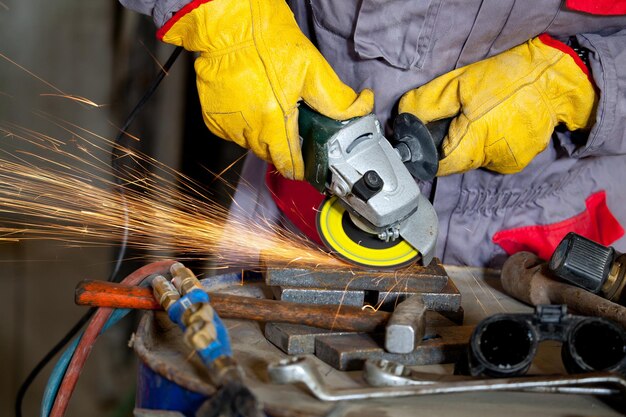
[[339, 233]]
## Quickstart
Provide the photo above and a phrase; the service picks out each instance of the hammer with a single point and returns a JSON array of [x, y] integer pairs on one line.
[[405, 329], [526, 277]]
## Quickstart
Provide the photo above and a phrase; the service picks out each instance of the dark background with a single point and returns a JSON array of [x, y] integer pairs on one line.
[[97, 50]]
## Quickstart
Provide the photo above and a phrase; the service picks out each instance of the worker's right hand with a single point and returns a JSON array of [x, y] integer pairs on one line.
[[254, 66]]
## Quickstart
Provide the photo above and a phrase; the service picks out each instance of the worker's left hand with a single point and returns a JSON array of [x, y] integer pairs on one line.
[[506, 107]]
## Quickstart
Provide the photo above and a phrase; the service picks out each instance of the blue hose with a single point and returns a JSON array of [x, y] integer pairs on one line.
[[54, 381]]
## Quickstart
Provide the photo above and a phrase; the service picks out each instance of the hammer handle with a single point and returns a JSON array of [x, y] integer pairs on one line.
[[344, 318]]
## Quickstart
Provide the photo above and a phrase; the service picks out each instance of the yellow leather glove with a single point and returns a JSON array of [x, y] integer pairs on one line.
[[506, 106], [254, 66]]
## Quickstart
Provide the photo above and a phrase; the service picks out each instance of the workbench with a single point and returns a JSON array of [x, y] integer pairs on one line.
[[482, 296]]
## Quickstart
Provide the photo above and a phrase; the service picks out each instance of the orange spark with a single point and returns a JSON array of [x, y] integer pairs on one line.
[[32, 74], [75, 98], [66, 192]]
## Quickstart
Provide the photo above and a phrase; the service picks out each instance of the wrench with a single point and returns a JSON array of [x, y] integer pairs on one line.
[[301, 369], [385, 373]]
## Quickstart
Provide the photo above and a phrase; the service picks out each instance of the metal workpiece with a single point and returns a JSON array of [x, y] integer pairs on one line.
[[346, 351], [184, 279], [302, 371], [448, 299], [320, 296], [432, 278], [164, 291], [405, 329], [296, 339], [349, 352]]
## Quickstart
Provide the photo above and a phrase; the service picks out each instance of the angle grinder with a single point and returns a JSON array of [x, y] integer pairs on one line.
[[374, 214]]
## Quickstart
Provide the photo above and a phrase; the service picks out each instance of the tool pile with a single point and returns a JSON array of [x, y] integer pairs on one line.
[[323, 314], [424, 327]]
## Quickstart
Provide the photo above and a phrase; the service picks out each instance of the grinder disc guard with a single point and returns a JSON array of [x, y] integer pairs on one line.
[[350, 242]]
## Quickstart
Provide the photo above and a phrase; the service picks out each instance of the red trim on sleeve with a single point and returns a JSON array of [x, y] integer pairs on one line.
[[550, 41], [298, 200], [602, 7], [596, 223], [192, 5]]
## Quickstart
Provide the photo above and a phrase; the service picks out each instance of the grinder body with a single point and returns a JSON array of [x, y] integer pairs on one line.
[[374, 214]]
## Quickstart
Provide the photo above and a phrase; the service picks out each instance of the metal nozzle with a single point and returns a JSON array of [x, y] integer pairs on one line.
[[164, 291], [184, 280]]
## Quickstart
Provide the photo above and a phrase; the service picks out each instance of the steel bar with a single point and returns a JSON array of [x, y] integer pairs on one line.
[[432, 278]]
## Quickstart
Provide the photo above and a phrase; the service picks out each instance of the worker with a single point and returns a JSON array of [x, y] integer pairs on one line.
[[537, 91]]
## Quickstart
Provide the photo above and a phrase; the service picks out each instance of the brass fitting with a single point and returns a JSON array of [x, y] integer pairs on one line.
[[201, 331], [184, 280], [613, 287], [200, 334], [164, 292], [205, 314]]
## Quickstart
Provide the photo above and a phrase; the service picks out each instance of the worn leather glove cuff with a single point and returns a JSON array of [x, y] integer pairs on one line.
[[579, 54], [188, 8], [573, 98]]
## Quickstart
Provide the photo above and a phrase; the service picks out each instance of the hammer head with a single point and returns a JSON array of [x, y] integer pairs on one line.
[[524, 278], [405, 328]]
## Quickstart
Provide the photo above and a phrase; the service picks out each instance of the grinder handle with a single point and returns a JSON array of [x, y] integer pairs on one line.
[[439, 130], [418, 144], [315, 131]]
